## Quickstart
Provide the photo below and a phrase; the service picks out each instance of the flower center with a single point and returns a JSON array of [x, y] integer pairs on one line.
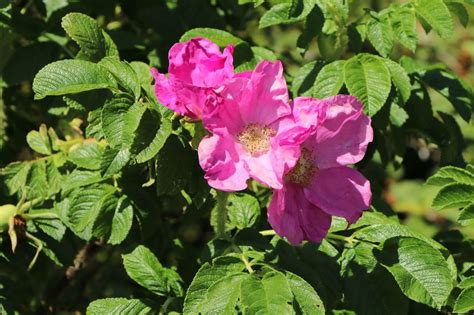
[[304, 169], [256, 138]]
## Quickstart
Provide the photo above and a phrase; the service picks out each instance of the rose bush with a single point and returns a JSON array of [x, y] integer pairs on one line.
[[236, 156]]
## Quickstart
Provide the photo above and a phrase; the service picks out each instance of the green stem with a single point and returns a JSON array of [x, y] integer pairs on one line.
[[247, 264], [27, 205], [221, 213], [347, 239], [166, 304], [39, 248], [45, 215]]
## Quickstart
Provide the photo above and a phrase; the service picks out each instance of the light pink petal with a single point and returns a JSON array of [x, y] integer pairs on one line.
[[344, 135], [340, 191], [293, 217], [261, 169], [269, 168], [224, 168], [266, 97]]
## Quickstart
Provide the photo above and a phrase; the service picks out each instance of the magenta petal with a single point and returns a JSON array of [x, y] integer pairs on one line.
[[283, 216], [266, 99], [309, 112], [224, 170], [199, 62], [340, 191], [293, 217], [225, 117], [344, 135]]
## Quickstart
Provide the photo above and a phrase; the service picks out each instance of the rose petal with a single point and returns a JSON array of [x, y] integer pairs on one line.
[[224, 169], [344, 135], [266, 97], [293, 217], [340, 191]]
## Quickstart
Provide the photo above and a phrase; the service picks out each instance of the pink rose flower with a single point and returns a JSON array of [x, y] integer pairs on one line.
[[251, 132], [321, 185], [197, 69]]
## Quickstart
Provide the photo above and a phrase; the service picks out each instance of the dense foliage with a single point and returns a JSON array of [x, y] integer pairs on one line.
[[103, 205]]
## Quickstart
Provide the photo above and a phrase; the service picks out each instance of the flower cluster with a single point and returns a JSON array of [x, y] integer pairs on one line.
[[299, 148]]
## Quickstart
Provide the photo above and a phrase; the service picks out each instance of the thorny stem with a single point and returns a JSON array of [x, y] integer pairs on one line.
[[221, 213]]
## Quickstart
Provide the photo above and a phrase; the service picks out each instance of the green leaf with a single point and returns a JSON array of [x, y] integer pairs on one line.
[[143, 267], [14, 176], [466, 217], [305, 79], [53, 6], [306, 297], [102, 223], [436, 14], [285, 13], [263, 54], [175, 163], [85, 31], [459, 10], [113, 161], [207, 276], [37, 182], [400, 79], [88, 155], [256, 3], [451, 174], [120, 119], [52, 227], [39, 140], [465, 301], [243, 210], [124, 74], [419, 269], [379, 233], [380, 33], [87, 204], [329, 80], [122, 221], [269, 295], [222, 296], [54, 177], [365, 284], [221, 38], [404, 26], [150, 136], [452, 88], [119, 306], [69, 77], [398, 116], [454, 195], [368, 78], [79, 178], [244, 58]]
